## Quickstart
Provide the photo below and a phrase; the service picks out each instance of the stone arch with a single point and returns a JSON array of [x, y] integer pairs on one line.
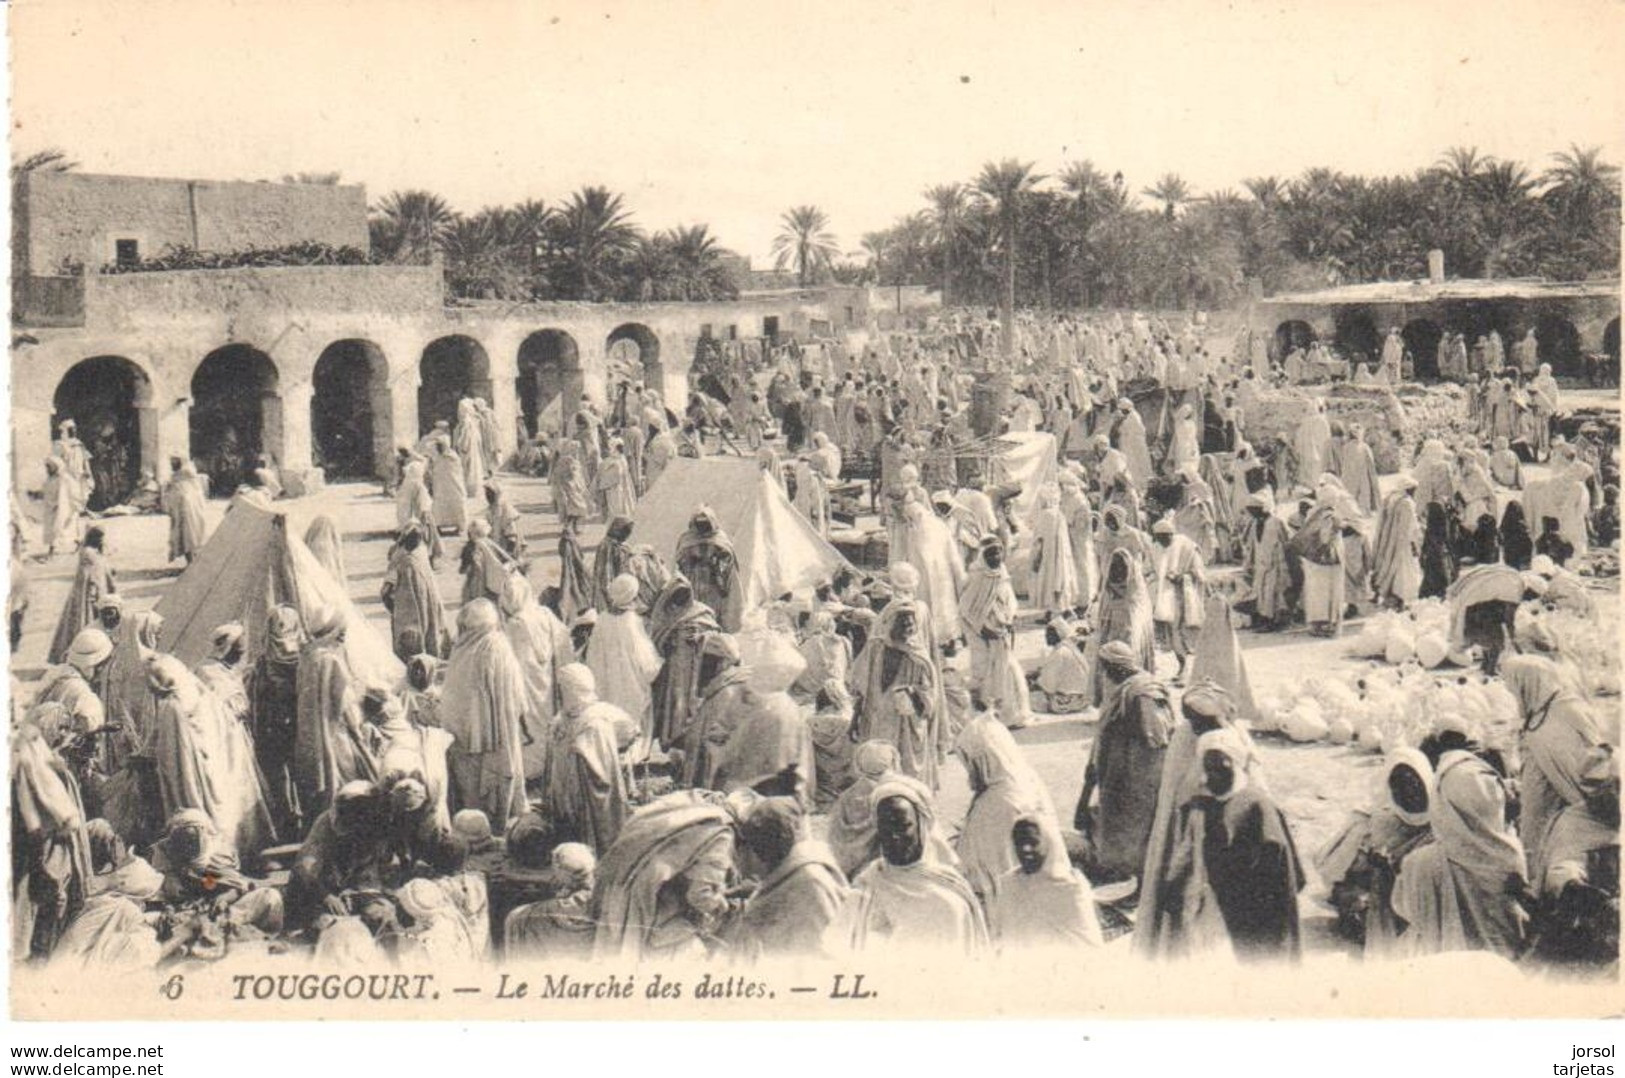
[[1422, 338], [1357, 337], [1559, 345], [351, 410], [110, 400], [549, 373], [236, 415], [633, 354], [452, 367], [1293, 333], [1610, 340]]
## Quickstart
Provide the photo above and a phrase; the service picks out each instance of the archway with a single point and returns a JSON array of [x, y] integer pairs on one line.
[[1357, 338], [1293, 334], [351, 414], [1422, 341], [1610, 341], [633, 356], [1560, 345], [109, 399], [236, 415], [451, 368], [549, 371]]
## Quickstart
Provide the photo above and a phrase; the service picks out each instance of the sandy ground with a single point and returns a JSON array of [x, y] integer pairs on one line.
[[1315, 785]]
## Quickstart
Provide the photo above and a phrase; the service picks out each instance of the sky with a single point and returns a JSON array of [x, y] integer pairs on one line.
[[728, 112]]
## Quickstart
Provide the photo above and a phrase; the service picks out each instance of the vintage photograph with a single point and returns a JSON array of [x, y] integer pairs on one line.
[[1039, 508]]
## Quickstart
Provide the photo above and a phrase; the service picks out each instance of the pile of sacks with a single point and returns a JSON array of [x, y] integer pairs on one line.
[[1434, 412], [767, 645], [1387, 707], [1420, 634], [1588, 643]]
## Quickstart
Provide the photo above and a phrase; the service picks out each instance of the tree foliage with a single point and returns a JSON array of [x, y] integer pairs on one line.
[[805, 242], [1085, 240], [586, 248]]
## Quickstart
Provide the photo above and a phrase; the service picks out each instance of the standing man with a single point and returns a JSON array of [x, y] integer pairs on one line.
[[987, 613], [1178, 603], [483, 706], [330, 743], [1125, 766], [1396, 575]]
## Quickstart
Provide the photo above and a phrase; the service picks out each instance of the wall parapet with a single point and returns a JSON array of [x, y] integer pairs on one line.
[[112, 300]]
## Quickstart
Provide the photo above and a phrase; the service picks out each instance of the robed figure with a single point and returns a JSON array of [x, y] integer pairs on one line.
[[677, 625], [706, 556], [900, 695]]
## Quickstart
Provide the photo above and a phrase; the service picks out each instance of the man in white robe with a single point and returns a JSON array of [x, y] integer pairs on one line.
[[908, 899], [1054, 586], [541, 643], [1393, 356], [622, 658], [929, 548], [1311, 445], [614, 482], [483, 706], [447, 485], [1043, 903], [469, 439], [1131, 442], [987, 615]]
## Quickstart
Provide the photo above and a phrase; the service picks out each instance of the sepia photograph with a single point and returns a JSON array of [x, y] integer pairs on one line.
[[537, 509]]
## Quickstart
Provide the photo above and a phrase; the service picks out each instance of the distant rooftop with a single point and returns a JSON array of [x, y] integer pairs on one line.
[[1426, 291]]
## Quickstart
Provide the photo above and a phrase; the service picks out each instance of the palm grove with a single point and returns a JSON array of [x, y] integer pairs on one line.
[[1014, 237]]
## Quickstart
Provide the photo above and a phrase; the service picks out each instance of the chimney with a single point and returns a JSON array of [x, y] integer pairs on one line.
[[1436, 266]]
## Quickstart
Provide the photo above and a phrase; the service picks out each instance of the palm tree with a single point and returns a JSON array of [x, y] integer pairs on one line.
[[947, 206], [1461, 167], [698, 264], [594, 231], [1266, 189], [1585, 206], [651, 270], [1172, 191], [475, 259], [1005, 184], [1581, 176], [805, 240], [1506, 216], [52, 160], [1094, 196], [529, 221], [408, 226], [1583, 192]]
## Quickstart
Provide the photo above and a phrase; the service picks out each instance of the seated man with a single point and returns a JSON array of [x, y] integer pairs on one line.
[[527, 873], [1043, 902], [1063, 677], [1361, 863], [560, 927], [206, 897], [909, 898], [343, 861], [486, 852], [800, 889]]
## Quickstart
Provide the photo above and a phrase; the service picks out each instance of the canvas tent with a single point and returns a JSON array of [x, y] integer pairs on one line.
[[1028, 460], [779, 550], [255, 560]]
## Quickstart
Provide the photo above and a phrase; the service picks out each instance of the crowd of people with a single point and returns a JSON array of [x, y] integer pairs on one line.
[[631, 761]]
